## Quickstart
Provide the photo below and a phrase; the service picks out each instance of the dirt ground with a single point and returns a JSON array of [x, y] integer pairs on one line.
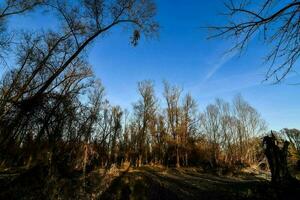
[[143, 183], [192, 183]]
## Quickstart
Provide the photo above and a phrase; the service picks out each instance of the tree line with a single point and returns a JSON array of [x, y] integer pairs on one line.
[[48, 71], [53, 110], [80, 129]]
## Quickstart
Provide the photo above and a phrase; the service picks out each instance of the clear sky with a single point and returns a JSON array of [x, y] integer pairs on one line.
[[183, 56]]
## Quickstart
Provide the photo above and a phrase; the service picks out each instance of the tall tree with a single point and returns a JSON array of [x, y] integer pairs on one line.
[[211, 126], [145, 114], [45, 59], [249, 125], [189, 123], [172, 96], [116, 132]]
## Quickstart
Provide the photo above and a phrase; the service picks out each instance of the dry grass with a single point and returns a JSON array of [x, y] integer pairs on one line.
[[148, 182]]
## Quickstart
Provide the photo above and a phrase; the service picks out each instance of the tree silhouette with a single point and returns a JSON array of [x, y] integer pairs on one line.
[[276, 23]]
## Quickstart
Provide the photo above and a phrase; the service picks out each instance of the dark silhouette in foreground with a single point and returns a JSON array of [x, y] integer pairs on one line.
[[148, 182], [277, 159]]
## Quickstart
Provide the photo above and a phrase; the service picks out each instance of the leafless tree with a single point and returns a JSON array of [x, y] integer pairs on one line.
[[293, 136], [211, 127], [189, 123], [51, 62], [144, 111], [232, 131], [116, 132], [10, 8], [172, 97], [249, 125], [275, 22]]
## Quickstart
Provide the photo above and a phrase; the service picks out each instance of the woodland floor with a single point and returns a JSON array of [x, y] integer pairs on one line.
[[142, 183]]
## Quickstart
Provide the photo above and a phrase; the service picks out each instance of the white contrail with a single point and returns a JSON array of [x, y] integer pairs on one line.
[[224, 59]]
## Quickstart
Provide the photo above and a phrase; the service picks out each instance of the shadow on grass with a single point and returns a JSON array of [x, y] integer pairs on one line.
[[146, 183], [137, 185], [152, 183]]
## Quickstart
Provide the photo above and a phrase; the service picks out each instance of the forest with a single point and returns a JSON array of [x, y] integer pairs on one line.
[[62, 138]]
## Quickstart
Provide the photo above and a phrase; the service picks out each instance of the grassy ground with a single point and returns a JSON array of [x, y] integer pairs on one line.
[[142, 183], [160, 183]]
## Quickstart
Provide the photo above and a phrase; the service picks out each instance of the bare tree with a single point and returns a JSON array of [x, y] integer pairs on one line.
[[172, 96], [189, 123], [232, 131], [144, 111], [249, 125], [15, 7], [276, 23], [293, 136], [82, 24], [116, 132], [211, 126], [47, 61], [160, 140], [10, 8]]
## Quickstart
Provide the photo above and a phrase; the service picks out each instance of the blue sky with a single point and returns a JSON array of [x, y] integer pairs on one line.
[[183, 56]]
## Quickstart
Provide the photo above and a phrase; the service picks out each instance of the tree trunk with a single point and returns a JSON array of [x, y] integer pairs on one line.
[[277, 159], [186, 159], [84, 163], [140, 161], [177, 157]]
